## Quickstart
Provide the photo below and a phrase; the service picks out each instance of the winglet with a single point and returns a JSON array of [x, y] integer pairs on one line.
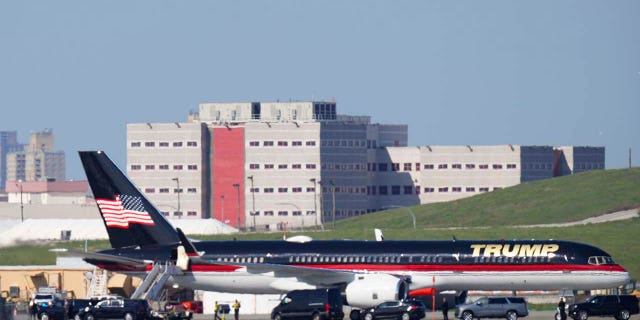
[[189, 248]]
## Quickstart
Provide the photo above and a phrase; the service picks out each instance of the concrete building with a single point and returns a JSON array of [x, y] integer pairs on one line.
[[8, 143], [271, 164], [38, 161], [47, 192]]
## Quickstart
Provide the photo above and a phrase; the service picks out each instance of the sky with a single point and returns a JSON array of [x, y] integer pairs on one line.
[[544, 72]]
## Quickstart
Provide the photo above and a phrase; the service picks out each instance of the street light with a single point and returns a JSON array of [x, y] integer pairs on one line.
[[21, 202], [322, 218], [177, 180], [222, 207], [413, 216], [315, 201], [253, 203], [333, 208], [237, 186], [297, 208]]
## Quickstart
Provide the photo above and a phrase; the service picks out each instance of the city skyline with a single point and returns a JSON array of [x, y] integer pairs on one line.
[[467, 73]]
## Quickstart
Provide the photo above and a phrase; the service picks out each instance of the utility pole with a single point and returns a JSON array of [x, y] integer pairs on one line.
[[322, 218], [177, 180], [253, 203], [222, 207], [333, 208], [237, 186], [315, 201], [21, 203]]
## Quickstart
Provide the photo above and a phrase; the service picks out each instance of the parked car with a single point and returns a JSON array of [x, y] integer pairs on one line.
[[493, 307], [320, 304], [619, 306], [127, 309], [403, 310], [54, 309]]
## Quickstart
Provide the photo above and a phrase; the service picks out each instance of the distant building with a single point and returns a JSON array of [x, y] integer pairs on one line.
[[47, 192], [38, 161], [267, 164], [8, 143]]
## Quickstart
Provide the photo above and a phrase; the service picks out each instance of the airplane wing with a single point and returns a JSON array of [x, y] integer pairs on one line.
[[108, 258]]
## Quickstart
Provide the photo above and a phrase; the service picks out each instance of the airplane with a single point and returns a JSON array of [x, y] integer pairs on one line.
[[367, 272]]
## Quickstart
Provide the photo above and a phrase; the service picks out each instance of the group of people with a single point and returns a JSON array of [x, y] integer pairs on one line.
[[235, 307]]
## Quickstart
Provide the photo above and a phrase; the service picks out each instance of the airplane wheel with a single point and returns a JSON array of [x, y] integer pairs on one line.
[[583, 315], [467, 315], [512, 315], [624, 314]]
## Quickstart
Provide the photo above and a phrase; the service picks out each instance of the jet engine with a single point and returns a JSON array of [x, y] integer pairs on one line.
[[367, 290]]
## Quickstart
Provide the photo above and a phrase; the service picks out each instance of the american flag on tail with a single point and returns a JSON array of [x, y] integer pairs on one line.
[[124, 210]]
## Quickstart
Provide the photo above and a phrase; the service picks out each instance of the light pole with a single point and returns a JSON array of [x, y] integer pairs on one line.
[[253, 203], [177, 180], [297, 208], [222, 207], [413, 216], [333, 208], [315, 201], [21, 202], [237, 186]]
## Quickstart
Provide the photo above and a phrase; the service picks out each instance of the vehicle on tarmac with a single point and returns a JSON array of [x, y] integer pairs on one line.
[[401, 310], [509, 308], [620, 307], [54, 309], [320, 304], [126, 309]]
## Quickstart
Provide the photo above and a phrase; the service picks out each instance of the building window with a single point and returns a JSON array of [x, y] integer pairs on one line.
[[428, 166], [150, 144], [176, 190], [442, 166], [283, 213], [383, 190], [191, 190], [296, 143], [177, 144], [470, 189], [268, 166], [311, 189], [254, 166], [470, 166], [456, 189], [177, 167], [254, 189], [429, 190], [192, 213], [296, 190], [417, 189], [192, 167], [192, 144], [267, 144], [164, 190], [483, 166], [149, 167], [484, 189], [511, 166], [311, 143], [135, 144], [311, 166], [496, 188], [282, 166], [407, 166], [283, 190], [408, 189], [135, 167], [311, 213], [395, 190], [443, 189], [497, 166], [296, 213], [456, 166], [395, 167], [149, 190], [254, 143], [163, 144], [268, 190], [165, 213], [382, 167], [283, 143], [268, 213], [296, 166], [163, 167], [417, 166]]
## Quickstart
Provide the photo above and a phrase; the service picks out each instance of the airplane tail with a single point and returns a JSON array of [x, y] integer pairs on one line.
[[131, 220]]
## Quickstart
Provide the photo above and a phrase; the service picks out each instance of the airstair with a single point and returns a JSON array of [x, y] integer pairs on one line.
[[151, 287], [98, 286]]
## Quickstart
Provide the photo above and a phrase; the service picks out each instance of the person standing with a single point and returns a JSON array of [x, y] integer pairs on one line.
[[216, 309], [236, 309], [445, 309], [562, 310]]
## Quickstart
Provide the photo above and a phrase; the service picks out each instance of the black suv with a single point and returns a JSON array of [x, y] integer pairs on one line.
[[621, 307], [52, 310], [403, 310], [126, 309], [321, 304]]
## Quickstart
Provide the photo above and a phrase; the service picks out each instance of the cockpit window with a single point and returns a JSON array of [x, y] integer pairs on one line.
[[599, 260]]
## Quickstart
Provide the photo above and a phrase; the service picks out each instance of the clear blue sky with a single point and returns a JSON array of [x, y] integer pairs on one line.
[[457, 72]]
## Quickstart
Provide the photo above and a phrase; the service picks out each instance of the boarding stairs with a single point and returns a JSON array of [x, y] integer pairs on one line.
[[152, 285], [98, 286]]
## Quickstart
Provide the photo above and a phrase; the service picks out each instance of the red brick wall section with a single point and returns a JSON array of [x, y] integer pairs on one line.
[[228, 169]]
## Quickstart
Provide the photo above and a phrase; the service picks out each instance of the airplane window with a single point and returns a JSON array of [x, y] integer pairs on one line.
[[386, 259], [261, 259], [422, 259], [499, 259], [315, 259], [350, 259], [339, 259], [410, 259], [333, 259], [291, 259]]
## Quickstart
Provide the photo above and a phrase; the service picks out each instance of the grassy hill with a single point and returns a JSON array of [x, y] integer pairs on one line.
[[487, 216]]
